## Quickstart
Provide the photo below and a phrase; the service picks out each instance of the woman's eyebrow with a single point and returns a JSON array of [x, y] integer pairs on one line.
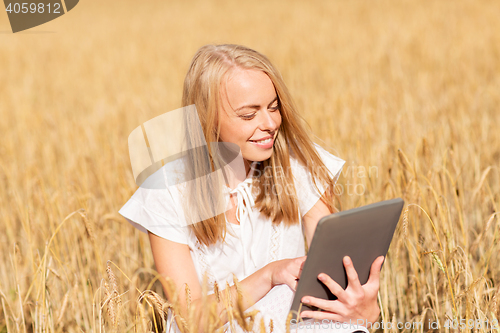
[[254, 106]]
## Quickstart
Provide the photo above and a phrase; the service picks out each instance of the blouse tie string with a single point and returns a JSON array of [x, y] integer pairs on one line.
[[245, 202]]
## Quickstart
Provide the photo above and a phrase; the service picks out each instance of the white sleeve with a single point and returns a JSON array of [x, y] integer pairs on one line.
[[156, 210], [306, 191]]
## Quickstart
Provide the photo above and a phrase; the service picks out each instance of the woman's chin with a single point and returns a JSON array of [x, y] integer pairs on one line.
[[258, 156]]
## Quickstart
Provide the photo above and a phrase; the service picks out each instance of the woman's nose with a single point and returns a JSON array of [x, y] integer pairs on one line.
[[270, 120]]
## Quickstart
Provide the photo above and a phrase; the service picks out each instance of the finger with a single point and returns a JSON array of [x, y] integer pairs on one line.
[[375, 271], [322, 315], [352, 275], [324, 304], [334, 287]]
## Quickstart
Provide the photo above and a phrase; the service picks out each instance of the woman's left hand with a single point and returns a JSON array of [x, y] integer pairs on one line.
[[356, 302]]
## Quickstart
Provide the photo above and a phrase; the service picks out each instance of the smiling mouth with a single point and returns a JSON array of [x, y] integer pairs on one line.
[[263, 141]]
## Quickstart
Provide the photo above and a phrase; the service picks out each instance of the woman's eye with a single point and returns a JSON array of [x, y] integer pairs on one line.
[[248, 116], [274, 108]]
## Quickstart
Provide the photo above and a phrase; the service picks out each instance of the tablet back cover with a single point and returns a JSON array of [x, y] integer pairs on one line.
[[363, 234]]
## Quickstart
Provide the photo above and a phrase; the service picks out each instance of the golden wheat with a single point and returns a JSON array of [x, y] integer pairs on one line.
[[407, 92]]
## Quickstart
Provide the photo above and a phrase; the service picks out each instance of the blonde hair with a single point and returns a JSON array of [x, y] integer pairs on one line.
[[202, 84]]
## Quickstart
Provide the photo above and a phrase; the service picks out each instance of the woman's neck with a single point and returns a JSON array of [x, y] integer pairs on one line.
[[248, 166]]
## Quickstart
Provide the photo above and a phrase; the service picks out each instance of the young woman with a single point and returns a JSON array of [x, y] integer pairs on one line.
[[241, 99]]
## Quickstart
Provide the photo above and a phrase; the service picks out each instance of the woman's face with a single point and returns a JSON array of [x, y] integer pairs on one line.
[[250, 116]]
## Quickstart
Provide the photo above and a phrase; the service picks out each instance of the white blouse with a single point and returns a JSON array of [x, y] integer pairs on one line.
[[249, 246]]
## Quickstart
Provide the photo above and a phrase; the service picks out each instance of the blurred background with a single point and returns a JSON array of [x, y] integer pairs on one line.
[[406, 89]]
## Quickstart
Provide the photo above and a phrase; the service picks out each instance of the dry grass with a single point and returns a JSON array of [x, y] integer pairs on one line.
[[411, 87]]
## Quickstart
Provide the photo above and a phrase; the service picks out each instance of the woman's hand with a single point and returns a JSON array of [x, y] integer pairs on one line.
[[355, 302], [286, 271]]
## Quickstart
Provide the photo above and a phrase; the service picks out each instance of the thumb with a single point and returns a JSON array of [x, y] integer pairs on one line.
[[375, 270], [303, 260], [300, 260]]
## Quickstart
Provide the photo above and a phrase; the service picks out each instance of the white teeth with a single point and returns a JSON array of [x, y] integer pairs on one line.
[[264, 141]]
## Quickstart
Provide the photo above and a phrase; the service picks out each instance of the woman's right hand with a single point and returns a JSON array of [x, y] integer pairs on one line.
[[286, 271]]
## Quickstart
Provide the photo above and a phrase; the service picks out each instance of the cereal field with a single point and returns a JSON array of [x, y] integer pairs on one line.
[[406, 89]]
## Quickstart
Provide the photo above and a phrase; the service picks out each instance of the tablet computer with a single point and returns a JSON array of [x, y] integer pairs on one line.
[[363, 234]]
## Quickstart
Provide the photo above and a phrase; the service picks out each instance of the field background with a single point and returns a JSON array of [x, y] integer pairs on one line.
[[410, 87]]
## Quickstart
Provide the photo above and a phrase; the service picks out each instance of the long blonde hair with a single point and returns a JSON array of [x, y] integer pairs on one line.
[[202, 84]]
